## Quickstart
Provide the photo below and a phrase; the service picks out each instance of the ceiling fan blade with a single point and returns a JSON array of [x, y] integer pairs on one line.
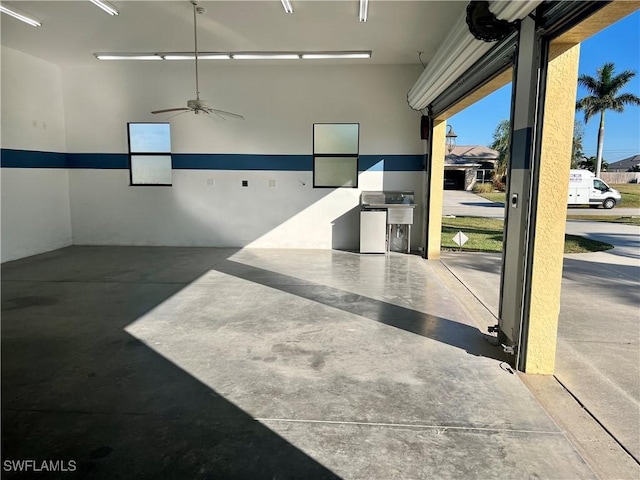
[[184, 109], [210, 111], [177, 114], [228, 114], [210, 115]]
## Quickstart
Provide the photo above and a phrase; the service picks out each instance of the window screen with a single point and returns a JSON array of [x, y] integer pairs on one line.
[[335, 154], [150, 153]]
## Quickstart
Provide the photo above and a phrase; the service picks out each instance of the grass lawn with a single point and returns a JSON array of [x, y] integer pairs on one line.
[[630, 194], [612, 218], [497, 197], [485, 235]]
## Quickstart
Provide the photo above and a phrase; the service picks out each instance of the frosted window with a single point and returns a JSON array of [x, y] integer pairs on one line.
[[150, 153], [149, 138], [335, 138], [335, 154], [335, 172], [151, 169]]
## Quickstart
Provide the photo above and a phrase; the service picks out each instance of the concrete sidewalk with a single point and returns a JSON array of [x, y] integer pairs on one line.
[[215, 363], [598, 351]]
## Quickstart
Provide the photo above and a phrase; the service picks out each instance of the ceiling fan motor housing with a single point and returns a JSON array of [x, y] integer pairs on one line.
[[198, 104], [198, 8]]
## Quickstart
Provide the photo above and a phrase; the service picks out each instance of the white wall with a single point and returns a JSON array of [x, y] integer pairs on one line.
[[193, 213], [35, 201], [280, 104]]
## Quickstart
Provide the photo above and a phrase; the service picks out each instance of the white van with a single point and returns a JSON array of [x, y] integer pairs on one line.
[[587, 189]]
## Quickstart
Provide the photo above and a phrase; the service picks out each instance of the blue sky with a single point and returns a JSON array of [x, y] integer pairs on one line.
[[620, 44]]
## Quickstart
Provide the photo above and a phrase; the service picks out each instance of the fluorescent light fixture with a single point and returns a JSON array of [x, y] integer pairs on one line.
[[265, 56], [324, 55], [127, 56], [191, 56], [106, 6], [23, 17], [287, 6], [237, 56], [364, 10]]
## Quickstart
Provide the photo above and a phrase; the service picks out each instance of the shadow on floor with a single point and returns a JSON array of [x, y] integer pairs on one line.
[[437, 328], [76, 388]]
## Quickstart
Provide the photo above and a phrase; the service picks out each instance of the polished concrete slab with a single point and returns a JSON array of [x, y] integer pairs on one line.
[[158, 362]]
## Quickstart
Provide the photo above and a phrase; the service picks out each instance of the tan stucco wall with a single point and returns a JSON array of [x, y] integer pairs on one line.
[[548, 246], [435, 183], [606, 16]]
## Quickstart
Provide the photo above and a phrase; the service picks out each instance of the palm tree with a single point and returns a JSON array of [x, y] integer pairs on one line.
[[589, 163], [578, 143], [603, 89], [501, 144]]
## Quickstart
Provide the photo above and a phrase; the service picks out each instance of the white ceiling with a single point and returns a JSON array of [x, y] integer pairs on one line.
[[73, 31]]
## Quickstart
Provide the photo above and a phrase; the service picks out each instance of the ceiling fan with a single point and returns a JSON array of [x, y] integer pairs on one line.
[[198, 106]]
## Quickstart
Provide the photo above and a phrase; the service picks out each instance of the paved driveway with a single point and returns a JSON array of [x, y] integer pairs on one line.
[[598, 354]]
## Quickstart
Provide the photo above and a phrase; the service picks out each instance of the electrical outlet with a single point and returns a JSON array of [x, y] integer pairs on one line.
[[245, 183], [210, 182]]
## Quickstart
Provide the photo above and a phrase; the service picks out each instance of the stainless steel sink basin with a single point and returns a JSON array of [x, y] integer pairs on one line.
[[388, 205], [388, 199]]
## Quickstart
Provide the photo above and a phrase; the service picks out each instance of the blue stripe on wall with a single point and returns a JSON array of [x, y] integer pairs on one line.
[[201, 161], [98, 160], [391, 163], [30, 159]]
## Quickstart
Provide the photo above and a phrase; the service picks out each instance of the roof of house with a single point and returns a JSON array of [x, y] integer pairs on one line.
[[625, 164], [470, 155]]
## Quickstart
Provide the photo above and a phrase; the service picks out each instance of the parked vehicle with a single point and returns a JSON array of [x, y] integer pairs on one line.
[[587, 189]]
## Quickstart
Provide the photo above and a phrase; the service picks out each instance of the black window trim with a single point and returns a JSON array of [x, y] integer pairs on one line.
[[149, 154]]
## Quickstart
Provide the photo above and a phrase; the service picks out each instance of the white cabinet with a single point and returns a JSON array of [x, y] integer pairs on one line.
[[373, 231]]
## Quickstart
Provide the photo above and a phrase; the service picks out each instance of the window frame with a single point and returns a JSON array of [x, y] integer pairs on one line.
[[147, 154], [355, 156]]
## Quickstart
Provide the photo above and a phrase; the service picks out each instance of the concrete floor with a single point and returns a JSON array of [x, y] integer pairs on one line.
[[598, 350], [216, 363]]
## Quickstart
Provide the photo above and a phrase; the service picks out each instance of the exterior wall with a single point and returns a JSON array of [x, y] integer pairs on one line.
[[35, 201], [551, 217], [435, 182], [207, 205]]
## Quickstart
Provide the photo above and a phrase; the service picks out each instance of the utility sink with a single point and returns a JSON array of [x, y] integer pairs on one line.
[[394, 207], [387, 199]]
